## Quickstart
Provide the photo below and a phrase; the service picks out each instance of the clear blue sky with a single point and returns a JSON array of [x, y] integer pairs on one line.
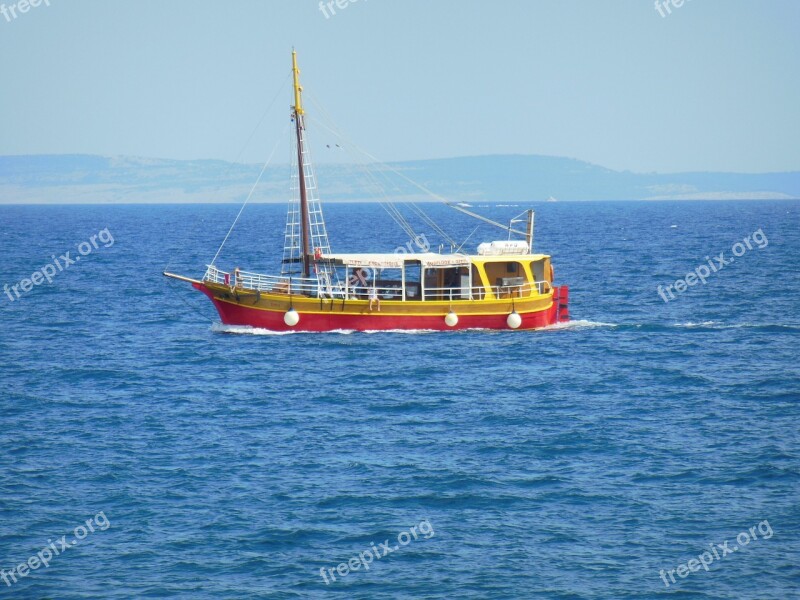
[[713, 86]]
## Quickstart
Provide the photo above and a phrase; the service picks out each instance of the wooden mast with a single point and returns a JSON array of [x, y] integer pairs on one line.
[[298, 123]]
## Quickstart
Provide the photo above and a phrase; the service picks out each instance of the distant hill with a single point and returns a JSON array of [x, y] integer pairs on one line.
[[52, 179]]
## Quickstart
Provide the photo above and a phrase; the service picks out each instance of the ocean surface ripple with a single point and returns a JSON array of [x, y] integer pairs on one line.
[[574, 462]]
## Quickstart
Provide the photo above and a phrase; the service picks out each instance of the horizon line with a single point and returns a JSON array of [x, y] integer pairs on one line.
[[414, 160]]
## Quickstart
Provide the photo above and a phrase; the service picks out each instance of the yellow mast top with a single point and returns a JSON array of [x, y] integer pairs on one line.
[[298, 89]]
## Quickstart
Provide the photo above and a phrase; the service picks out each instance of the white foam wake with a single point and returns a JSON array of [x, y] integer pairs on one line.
[[578, 324], [692, 324], [720, 325], [248, 330]]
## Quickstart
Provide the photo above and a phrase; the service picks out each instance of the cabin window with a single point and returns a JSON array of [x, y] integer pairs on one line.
[[477, 284], [538, 270], [432, 284], [388, 284], [413, 273], [447, 283]]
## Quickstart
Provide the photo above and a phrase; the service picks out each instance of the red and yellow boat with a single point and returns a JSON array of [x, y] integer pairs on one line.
[[504, 286]]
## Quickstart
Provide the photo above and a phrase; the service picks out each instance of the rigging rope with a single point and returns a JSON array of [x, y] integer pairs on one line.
[[197, 217], [388, 205], [419, 211], [424, 216], [181, 295], [252, 189], [409, 180]]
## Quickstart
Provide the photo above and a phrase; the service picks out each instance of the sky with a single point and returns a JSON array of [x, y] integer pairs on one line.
[[713, 85]]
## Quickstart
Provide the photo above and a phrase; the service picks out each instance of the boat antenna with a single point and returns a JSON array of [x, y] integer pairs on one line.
[[528, 228]]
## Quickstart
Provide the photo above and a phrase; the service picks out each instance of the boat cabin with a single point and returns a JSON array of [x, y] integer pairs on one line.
[[442, 277]]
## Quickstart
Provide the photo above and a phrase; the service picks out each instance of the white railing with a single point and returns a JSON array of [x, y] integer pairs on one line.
[[277, 284], [281, 284], [523, 290], [395, 292]]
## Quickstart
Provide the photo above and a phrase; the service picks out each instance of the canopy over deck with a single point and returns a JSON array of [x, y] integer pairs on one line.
[[428, 259], [397, 260]]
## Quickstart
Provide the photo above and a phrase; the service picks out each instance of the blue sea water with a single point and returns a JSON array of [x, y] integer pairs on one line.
[[574, 462]]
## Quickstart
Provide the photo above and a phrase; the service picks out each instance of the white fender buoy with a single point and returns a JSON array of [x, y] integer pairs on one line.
[[514, 320], [451, 319], [291, 317]]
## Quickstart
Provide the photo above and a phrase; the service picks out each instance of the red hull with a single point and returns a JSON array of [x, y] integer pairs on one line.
[[237, 314]]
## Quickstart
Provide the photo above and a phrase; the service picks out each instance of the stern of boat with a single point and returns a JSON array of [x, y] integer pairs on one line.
[[561, 303]]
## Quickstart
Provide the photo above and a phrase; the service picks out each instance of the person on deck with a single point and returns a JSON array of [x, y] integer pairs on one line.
[[374, 298], [358, 282]]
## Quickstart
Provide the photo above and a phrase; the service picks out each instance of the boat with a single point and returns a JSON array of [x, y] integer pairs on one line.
[[505, 285]]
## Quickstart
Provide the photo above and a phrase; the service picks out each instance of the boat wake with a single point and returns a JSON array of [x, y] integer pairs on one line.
[[713, 325], [708, 326], [578, 324], [666, 327], [411, 331], [247, 330]]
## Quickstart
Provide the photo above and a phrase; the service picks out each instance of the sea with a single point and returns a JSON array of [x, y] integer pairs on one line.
[[649, 448]]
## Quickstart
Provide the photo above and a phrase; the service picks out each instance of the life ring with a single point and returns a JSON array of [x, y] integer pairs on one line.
[[317, 253]]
